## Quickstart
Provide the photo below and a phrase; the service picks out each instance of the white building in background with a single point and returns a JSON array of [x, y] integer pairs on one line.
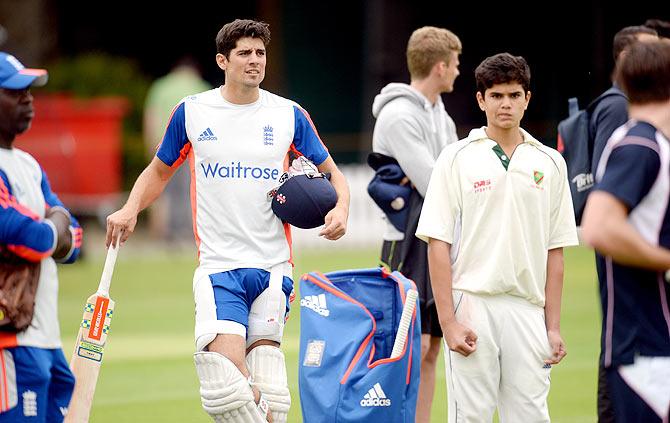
[[365, 227]]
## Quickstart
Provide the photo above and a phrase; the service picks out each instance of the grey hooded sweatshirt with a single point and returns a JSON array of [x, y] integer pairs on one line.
[[413, 131]]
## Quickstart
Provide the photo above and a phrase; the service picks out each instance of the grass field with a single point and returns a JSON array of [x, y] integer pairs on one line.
[[148, 373]]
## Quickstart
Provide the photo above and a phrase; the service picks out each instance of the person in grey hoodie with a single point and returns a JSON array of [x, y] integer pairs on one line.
[[413, 127]]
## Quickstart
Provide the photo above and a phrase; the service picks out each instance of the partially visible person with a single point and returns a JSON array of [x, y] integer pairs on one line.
[[612, 111], [170, 215], [661, 27], [609, 114], [496, 217], [35, 380], [236, 139], [627, 220], [413, 127]]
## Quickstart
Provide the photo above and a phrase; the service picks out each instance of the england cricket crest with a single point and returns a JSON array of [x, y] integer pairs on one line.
[[268, 135], [95, 326]]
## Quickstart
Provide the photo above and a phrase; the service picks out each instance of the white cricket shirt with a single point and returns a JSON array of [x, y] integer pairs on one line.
[[237, 154], [500, 221]]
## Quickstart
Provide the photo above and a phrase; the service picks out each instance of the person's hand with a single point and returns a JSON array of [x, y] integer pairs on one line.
[[557, 347], [460, 338], [335, 223], [121, 222]]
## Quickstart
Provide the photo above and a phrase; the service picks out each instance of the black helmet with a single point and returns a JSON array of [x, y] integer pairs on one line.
[[304, 200]]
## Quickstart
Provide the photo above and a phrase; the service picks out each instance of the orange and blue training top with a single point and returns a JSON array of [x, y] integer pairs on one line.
[[25, 198]]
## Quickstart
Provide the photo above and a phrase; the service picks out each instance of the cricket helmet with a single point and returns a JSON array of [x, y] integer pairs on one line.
[[304, 200]]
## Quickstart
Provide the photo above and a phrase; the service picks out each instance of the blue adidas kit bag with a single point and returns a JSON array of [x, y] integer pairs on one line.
[[348, 323]]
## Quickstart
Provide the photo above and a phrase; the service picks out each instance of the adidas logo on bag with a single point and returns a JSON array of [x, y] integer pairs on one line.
[[316, 303], [207, 135], [375, 397]]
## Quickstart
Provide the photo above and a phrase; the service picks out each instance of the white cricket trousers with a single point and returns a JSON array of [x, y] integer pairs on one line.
[[507, 369]]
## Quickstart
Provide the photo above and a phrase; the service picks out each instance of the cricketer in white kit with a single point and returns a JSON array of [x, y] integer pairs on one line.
[[496, 216], [236, 140]]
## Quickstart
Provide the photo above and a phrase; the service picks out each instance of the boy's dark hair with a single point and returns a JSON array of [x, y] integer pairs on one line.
[[628, 36], [226, 39], [644, 72], [502, 68], [662, 28]]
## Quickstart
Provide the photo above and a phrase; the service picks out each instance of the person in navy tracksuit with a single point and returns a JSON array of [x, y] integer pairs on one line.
[[627, 220]]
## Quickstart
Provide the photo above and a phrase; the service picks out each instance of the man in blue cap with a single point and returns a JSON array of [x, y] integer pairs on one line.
[[36, 231]]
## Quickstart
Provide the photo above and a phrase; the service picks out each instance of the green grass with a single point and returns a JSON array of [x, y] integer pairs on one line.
[[148, 373]]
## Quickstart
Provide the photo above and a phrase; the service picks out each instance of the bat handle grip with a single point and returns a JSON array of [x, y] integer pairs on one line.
[[405, 321], [108, 270]]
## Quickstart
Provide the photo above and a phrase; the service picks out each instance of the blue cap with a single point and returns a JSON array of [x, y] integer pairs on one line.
[[304, 201], [15, 76], [390, 196]]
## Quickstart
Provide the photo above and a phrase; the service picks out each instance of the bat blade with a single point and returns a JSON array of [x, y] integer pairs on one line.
[[89, 350], [89, 347]]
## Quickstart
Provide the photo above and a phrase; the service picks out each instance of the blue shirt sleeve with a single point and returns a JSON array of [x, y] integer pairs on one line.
[[609, 114], [175, 145], [305, 138], [77, 233], [20, 229], [630, 173]]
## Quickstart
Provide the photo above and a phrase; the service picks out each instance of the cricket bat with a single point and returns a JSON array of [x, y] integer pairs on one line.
[[90, 344], [405, 321]]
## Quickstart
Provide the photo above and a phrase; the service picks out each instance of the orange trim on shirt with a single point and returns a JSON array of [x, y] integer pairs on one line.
[[194, 200], [4, 395], [289, 240], [8, 200], [295, 150], [8, 340], [28, 253], [183, 155], [309, 119], [287, 227]]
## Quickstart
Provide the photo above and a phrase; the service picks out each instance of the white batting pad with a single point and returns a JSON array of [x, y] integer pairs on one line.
[[268, 371], [266, 315], [225, 393]]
